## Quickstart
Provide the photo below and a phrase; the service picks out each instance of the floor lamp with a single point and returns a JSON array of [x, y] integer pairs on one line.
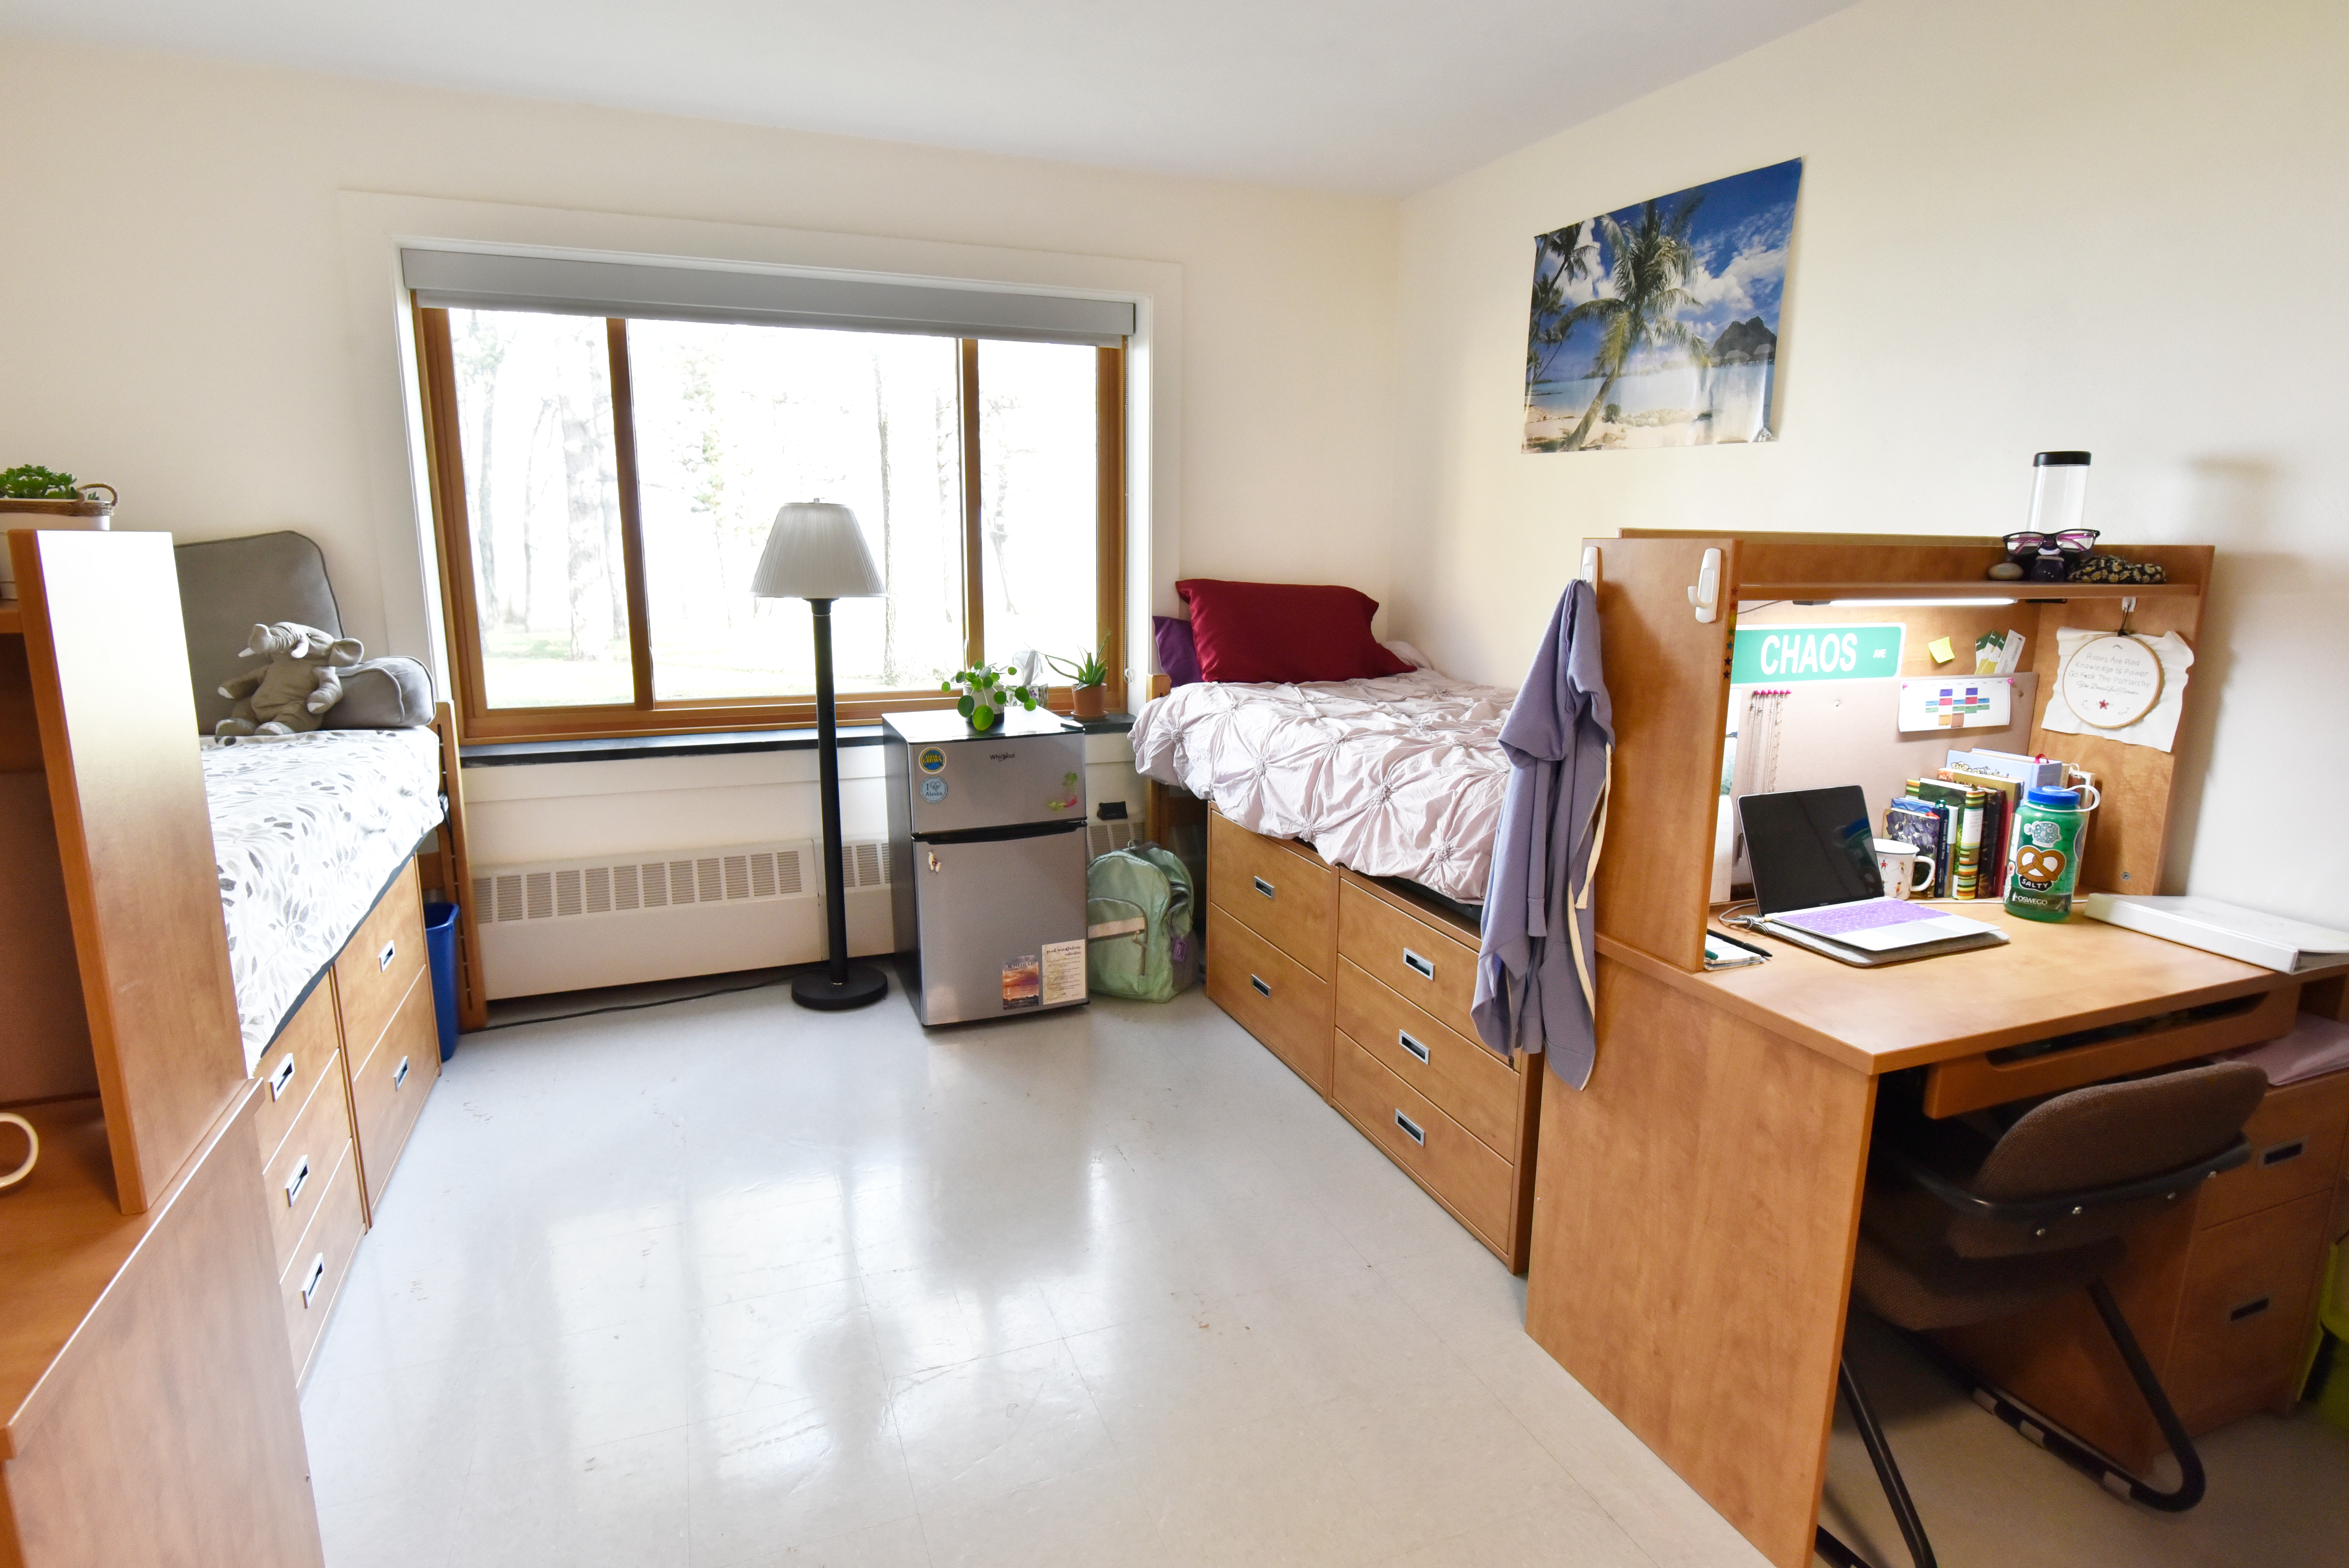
[[817, 553]]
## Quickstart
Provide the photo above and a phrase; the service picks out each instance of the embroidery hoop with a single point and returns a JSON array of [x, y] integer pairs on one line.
[[2140, 671]]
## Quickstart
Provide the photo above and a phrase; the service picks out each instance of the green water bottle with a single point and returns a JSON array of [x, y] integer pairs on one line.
[[2046, 855]]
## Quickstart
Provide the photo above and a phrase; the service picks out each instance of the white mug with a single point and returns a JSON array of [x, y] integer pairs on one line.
[[1898, 864], [32, 1153]]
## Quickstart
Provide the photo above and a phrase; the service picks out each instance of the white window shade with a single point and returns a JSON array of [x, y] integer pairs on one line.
[[479, 280]]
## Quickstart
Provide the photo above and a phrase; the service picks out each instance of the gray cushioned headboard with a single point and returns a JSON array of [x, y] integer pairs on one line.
[[227, 585]]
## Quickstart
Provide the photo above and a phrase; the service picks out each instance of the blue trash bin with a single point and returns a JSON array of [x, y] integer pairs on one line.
[[440, 951]]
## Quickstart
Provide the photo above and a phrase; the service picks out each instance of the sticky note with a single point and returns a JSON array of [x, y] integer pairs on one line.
[[1941, 651]]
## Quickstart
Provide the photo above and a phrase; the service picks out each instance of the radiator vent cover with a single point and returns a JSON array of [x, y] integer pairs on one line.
[[741, 873], [1100, 838]]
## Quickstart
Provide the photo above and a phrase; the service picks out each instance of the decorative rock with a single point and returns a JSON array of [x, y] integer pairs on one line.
[[2006, 571]]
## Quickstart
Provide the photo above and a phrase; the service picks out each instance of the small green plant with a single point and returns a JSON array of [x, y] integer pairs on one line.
[[985, 698], [1088, 671], [30, 481]]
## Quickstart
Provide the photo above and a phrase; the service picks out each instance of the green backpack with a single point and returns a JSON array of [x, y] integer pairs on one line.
[[1138, 925]]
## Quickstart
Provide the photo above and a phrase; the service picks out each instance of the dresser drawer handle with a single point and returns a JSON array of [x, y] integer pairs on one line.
[[1263, 886], [295, 1182], [1404, 1038], [383, 959], [2284, 1152], [2249, 1309], [1422, 967], [399, 1073], [1261, 988], [316, 1277], [282, 1076], [1410, 1130]]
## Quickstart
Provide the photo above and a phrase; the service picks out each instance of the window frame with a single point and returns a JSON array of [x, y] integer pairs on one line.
[[647, 715]]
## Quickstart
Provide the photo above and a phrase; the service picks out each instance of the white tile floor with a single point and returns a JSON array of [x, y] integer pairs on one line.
[[725, 1282]]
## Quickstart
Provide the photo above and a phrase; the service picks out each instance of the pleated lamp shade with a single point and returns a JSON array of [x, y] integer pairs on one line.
[[816, 552]]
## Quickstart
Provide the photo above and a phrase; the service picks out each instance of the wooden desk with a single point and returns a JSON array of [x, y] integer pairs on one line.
[[1697, 1207], [146, 1412]]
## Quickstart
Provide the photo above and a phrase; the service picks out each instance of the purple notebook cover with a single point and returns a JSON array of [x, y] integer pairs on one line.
[[1836, 919]]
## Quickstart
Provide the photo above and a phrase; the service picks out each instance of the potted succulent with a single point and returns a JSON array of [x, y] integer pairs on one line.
[[985, 698], [1090, 676], [34, 497]]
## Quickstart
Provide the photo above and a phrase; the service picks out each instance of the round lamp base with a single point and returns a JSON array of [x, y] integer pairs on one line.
[[862, 987]]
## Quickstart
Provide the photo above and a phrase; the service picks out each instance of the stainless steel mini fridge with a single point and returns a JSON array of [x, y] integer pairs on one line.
[[986, 841]]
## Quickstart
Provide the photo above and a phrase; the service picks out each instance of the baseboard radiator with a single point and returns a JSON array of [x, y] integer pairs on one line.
[[568, 925]]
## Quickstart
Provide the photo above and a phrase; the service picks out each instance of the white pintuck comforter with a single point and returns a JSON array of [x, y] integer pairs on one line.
[[1398, 777], [307, 829]]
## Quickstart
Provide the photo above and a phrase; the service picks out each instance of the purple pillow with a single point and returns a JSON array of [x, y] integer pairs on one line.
[[1178, 654]]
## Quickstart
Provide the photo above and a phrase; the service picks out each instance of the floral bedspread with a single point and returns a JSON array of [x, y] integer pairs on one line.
[[1398, 777], [307, 829]]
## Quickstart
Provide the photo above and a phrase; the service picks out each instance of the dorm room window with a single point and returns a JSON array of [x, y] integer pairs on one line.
[[603, 486]]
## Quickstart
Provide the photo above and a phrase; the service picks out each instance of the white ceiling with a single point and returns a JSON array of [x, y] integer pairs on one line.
[[1380, 95]]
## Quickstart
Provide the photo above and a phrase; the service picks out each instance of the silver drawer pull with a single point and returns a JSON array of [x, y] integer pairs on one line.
[[1263, 886], [1413, 1046], [282, 1076], [1422, 967], [2284, 1152], [2249, 1309], [399, 1073], [316, 1277], [295, 1182], [1410, 1130], [383, 959], [1261, 988]]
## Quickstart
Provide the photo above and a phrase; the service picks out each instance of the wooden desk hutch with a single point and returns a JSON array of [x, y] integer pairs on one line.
[[1696, 1208]]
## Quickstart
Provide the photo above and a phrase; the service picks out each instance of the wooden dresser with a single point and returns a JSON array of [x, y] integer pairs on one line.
[[2223, 1293], [1363, 989], [344, 1081]]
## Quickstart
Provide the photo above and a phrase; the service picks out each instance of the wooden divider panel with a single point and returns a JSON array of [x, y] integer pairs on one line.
[[1668, 679], [118, 718]]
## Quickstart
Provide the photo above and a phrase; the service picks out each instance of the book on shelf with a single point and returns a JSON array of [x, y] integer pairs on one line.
[[1963, 812], [1998, 824], [1922, 824], [2270, 941]]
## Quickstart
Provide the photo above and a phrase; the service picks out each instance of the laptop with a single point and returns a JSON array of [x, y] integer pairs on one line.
[[1815, 883]]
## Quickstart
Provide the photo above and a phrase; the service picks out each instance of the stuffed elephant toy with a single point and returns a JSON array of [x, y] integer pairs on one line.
[[292, 692]]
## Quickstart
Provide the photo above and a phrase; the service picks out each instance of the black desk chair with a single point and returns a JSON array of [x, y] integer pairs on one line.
[[1959, 1226]]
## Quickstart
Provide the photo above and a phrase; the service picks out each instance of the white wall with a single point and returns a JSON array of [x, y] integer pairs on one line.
[[2023, 224], [176, 288]]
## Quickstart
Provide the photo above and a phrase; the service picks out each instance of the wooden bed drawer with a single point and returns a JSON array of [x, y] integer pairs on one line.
[[388, 1090], [1458, 1075], [1471, 1180], [2242, 1318], [2296, 1138], [321, 1260], [292, 1066], [1271, 995], [295, 1176], [1430, 969], [1283, 892], [376, 966]]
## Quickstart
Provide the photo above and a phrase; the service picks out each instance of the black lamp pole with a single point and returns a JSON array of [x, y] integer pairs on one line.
[[842, 985]]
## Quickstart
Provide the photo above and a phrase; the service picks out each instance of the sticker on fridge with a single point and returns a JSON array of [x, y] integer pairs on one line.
[[1023, 983], [1065, 972]]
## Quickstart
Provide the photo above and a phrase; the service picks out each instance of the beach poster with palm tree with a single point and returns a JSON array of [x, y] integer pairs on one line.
[[1657, 324]]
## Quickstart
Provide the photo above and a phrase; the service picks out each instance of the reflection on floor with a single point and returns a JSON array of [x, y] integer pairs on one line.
[[725, 1282]]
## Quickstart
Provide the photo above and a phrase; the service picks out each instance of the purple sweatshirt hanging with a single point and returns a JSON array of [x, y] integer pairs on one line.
[[1534, 976]]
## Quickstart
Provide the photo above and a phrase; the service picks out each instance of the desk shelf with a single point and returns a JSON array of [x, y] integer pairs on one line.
[[1976, 589]]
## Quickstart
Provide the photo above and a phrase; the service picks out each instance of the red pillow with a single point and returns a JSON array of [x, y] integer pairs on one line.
[[1254, 631]]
